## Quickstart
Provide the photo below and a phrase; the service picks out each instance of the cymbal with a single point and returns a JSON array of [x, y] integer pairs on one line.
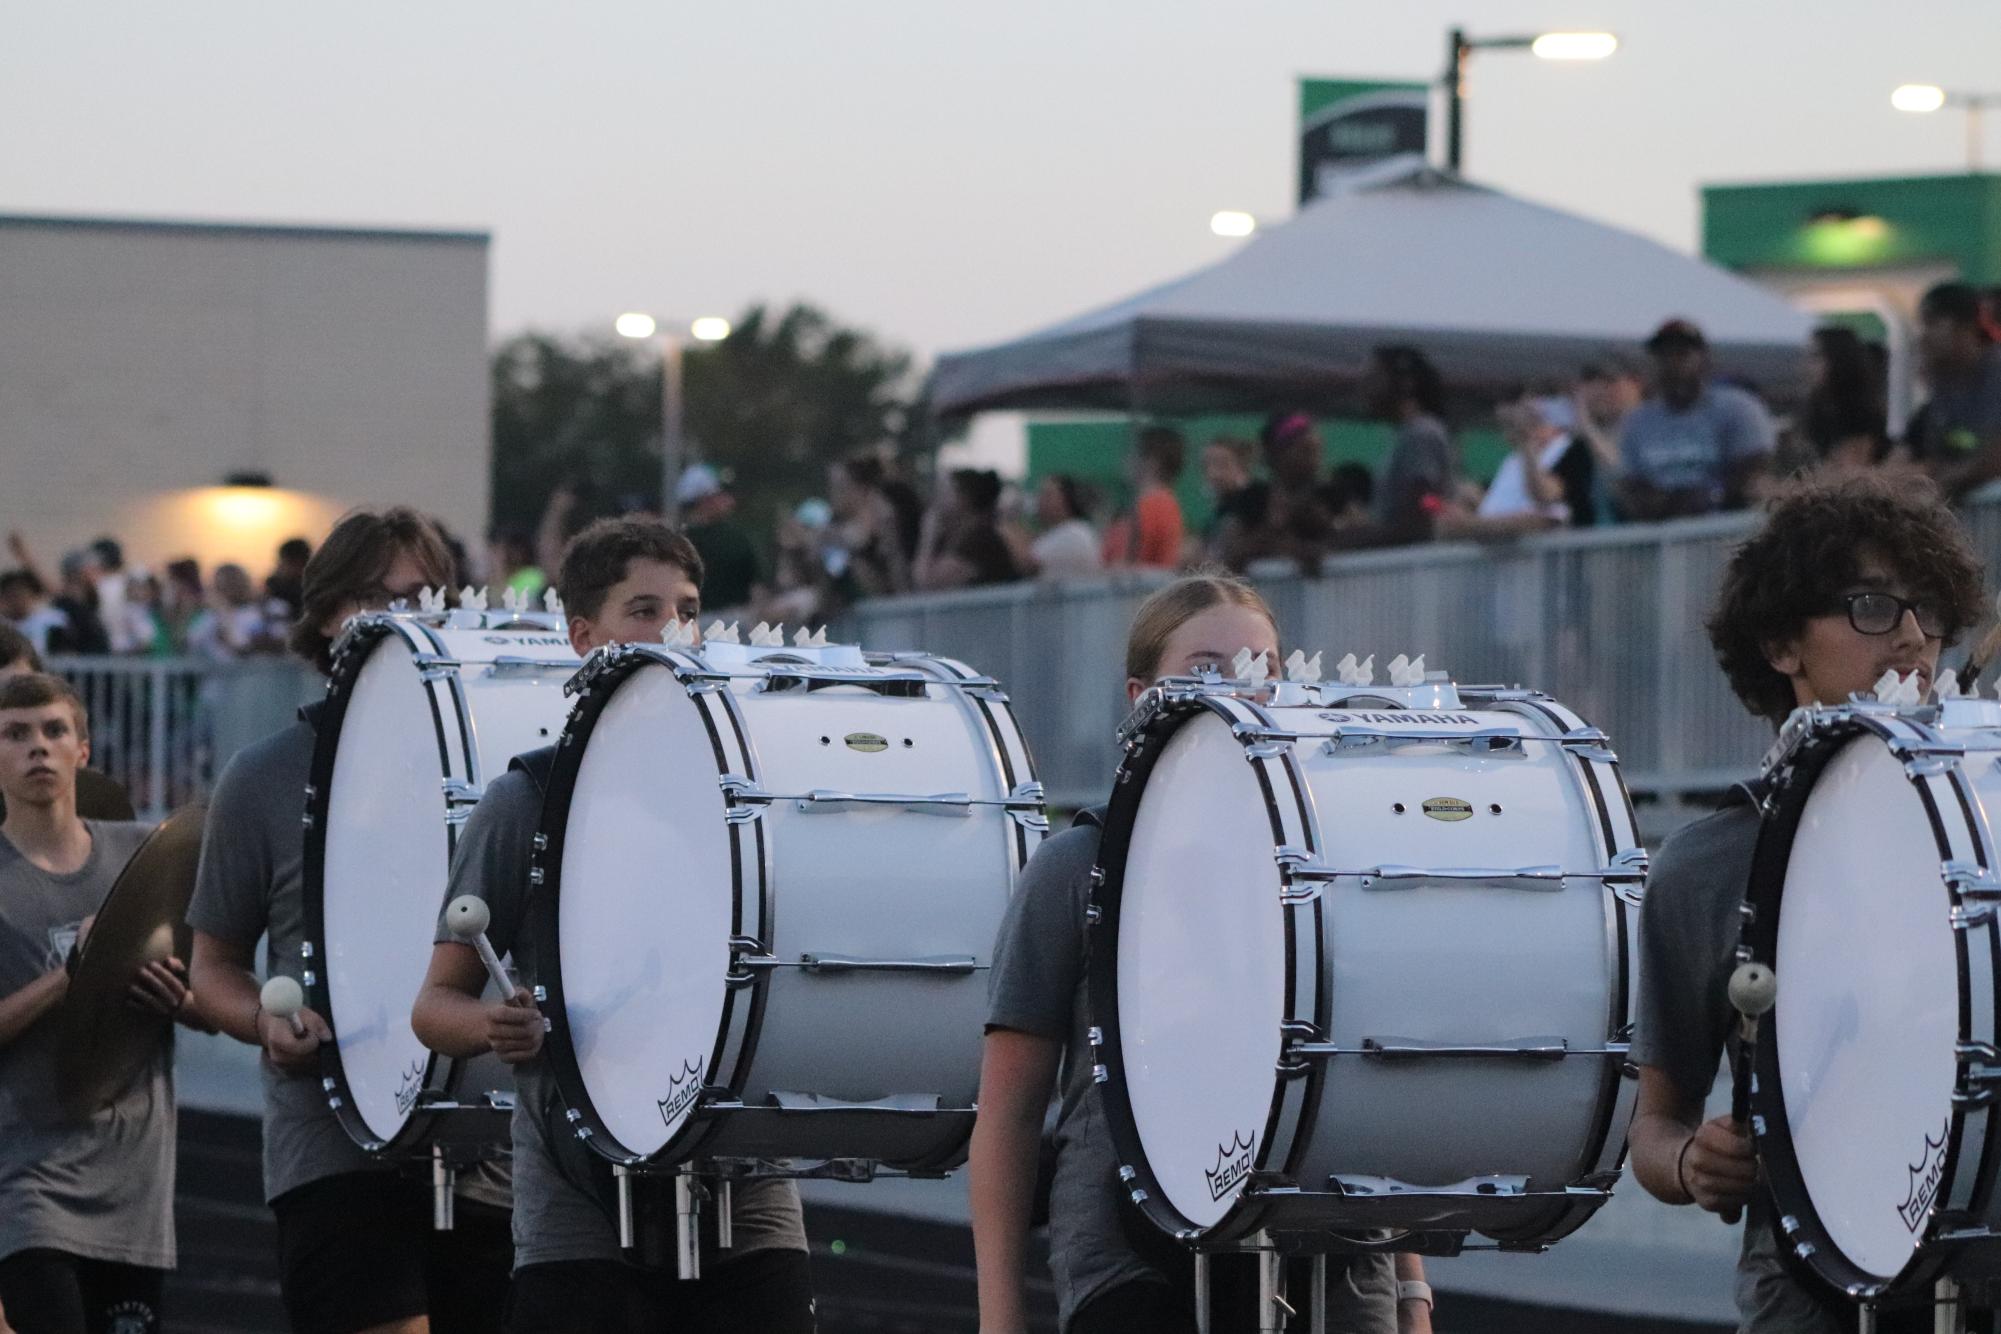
[[103, 1040]]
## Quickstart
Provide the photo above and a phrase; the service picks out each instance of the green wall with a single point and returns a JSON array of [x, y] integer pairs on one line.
[[1096, 451], [1822, 225]]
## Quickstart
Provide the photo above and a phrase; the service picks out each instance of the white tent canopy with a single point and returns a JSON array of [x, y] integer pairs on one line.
[[1496, 290]]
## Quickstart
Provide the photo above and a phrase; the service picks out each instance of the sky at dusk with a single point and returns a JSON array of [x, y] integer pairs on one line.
[[943, 173]]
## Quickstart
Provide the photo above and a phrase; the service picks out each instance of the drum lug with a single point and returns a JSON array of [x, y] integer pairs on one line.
[[541, 995], [1969, 880], [1100, 1075], [1983, 1052], [540, 842], [309, 978], [1093, 915], [1968, 919], [305, 949], [1298, 896], [1929, 766], [1095, 1036], [1789, 1224], [536, 875]]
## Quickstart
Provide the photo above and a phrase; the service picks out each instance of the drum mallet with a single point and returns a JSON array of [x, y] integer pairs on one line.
[[283, 998], [1754, 989], [468, 917]]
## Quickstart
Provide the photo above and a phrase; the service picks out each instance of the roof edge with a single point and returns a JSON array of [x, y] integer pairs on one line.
[[272, 230]]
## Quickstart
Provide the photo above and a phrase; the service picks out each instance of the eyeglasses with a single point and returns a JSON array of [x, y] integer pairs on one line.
[[1880, 613]]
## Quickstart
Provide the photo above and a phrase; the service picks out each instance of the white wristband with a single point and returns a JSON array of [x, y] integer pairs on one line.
[[1414, 1290]]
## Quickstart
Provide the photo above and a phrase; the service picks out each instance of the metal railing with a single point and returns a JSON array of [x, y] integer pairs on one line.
[[164, 727], [1610, 621]]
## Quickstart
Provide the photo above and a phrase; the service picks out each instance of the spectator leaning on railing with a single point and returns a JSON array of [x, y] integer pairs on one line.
[[1696, 446], [1150, 534]]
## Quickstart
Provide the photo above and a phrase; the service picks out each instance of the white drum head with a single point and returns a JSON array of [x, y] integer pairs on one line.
[[1868, 1010], [1201, 969], [387, 855], [644, 919]]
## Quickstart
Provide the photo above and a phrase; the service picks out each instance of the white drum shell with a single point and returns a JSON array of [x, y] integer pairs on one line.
[[1428, 962], [807, 880], [418, 739]]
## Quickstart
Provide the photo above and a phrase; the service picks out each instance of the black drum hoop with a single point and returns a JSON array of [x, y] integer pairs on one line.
[[1250, 1212], [441, 1074], [1797, 1223]]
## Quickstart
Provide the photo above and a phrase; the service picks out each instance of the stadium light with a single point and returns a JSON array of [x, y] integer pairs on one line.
[[1459, 51], [1232, 222], [639, 325], [1925, 98]]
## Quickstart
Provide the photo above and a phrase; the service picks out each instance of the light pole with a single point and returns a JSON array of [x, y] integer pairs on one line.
[[1923, 98], [673, 451], [1549, 46]]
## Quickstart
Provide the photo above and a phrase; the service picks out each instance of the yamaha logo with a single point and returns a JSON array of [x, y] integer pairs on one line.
[[1926, 1173], [1448, 809], [683, 1091], [1233, 1166]]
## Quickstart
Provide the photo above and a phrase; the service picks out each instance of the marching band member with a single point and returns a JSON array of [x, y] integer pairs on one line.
[[621, 581], [357, 1251], [86, 1206], [1114, 1272], [1846, 580]]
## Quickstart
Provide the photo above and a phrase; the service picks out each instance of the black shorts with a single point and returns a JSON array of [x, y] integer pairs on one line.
[[770, 1292], [54, 1292], [358, 1250]]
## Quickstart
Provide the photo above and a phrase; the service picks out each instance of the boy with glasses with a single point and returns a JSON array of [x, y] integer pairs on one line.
[[1846, 581]]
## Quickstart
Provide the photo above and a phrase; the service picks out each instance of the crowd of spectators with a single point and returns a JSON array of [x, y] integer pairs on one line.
[[1626, 439], [1623, 440], [93, 603]]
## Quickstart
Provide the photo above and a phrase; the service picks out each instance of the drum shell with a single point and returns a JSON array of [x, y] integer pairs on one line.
[[852, 1027], [1437, 962]]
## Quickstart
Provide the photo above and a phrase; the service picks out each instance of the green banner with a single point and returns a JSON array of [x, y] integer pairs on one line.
[[1348, 123]]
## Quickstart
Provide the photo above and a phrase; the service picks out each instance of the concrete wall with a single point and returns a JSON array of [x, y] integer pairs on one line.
[[138, 359]]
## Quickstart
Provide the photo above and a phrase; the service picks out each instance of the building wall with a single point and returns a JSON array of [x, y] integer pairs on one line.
[[140, 359]]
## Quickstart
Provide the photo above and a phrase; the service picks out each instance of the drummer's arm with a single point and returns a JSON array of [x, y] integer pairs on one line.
[[1017, 1075], [452, 1019], [1681, 1159], [449, 1017], [228, 995], [20, 1009]]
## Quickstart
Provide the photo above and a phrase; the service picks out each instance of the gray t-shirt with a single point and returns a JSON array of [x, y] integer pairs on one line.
[[1694, 449], [1420, 465], [557, 1215], [1963, 414], [101, 1188], [251, 884], [1689, 927], [1037, 987]]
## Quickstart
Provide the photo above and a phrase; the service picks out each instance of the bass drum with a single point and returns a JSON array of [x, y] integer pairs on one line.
[[773, 878], [1873, 901], [423, 710], [1361, 960]]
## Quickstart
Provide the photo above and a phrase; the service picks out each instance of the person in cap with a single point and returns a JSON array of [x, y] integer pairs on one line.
[[1957, 434], [734, 578], [1696, 445]]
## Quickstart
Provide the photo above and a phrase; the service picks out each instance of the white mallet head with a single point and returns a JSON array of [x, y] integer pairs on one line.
[[1754, 989], [283, 997], [467, 916]]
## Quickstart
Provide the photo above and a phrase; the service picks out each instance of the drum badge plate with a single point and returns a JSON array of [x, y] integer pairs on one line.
[[1233, 1166], [865, 741], [1448, 808]]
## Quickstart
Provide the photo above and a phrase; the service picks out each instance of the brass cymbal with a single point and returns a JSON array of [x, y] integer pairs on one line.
[[104, 1040]]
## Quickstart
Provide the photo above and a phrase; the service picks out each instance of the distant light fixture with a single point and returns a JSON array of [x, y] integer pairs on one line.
[[709, 329], [248, 477], [1918, 97], [1232, 222], [1574, 45], [634, 324]]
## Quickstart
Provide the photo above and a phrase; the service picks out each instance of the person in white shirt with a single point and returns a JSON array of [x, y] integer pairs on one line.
[[1539, 484], [1067, 547]]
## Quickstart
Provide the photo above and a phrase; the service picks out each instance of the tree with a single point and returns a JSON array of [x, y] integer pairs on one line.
[[770, 407]]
